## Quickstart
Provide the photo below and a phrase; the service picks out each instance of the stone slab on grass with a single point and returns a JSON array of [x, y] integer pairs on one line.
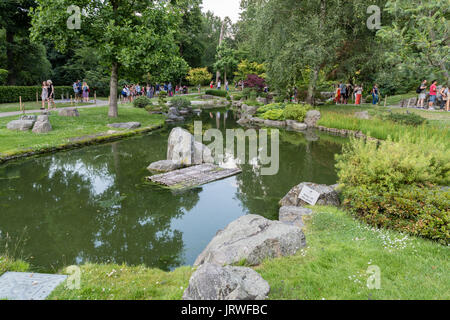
[[193, 176], [28, 286]]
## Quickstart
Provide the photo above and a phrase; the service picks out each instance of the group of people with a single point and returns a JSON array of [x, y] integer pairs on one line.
[[81, 91], [438, 95], [48, 94], [343, 92], [219, 85], [131, 91]]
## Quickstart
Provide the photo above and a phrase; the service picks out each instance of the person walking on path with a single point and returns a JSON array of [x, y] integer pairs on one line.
[[358, 93], [375, 94], [422, 94], [445, 98], [44, 94], [433, 93], [338, 94], [344, 97], [76, 90], [219, 85]]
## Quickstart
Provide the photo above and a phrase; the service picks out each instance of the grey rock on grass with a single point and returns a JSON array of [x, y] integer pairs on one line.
[[213, 282], [328, 195], [252, 239], [20, 125], [294, 216]]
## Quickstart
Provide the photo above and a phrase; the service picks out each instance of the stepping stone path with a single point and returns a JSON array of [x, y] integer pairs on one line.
[[193, 176], [28, 286]]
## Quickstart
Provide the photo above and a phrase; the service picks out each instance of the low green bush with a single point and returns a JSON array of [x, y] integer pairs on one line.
[[141, 102], [411, 119], [268, 107], [217, 93], [397, 185], [3, 76], [9, 94], [237, 96], [274, 114], [180, 102], [296, 112]]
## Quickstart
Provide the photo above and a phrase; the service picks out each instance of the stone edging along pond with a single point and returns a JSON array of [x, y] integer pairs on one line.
[[79, 142]]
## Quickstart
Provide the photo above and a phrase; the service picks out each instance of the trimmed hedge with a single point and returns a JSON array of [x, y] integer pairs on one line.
[[10, 94], [217, 93]]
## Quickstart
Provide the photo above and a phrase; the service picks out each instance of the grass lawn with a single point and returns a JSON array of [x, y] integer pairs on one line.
[[8, 264], [339, 252], [333, 266], [91, 121]]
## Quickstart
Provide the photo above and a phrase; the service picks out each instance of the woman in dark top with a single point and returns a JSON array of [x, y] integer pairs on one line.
[[51, 93]]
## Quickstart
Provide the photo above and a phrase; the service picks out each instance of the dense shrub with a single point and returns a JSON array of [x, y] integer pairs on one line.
[[217, 93], [180, 102], [272, 106], [237, 96], [12, 93], [296, 112], [274, 114], [411, 119], [396, 185], [141, 102], [3, 76], [255, 82]]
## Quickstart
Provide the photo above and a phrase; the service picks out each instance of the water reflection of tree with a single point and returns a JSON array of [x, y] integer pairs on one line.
[[95, 213], [300, 160]]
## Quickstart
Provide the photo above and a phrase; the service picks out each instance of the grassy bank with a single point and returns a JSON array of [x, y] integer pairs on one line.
[[66, 130], [8, 264], [333, 266], [340, 250]]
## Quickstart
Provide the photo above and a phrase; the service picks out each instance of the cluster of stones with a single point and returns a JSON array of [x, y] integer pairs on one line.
[[38, 124], [347, 133], [252, 239], [248, 117], [182, 151]]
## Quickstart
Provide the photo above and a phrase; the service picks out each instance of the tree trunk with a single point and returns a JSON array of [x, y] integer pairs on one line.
[[113, 108], [222, 35], [10, 57], [312, 86]]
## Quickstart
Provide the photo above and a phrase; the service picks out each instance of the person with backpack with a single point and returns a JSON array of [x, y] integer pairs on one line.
[[375, 95], [422, 94], [76, 90]]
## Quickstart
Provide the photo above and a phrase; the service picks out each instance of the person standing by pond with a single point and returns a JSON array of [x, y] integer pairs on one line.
[[422, 94], [375, 94], [44, 94], [76, 90], [338, 94], [358, 93], [433, 93], [344, 93], [85, 92]]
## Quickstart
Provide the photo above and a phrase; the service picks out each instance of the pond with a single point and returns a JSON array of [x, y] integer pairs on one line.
[[94, 204]]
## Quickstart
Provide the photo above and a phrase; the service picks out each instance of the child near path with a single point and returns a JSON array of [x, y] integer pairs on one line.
[[44, 94], [433, 93]]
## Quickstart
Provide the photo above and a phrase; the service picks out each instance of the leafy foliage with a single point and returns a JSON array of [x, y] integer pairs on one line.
[[141, 102], [199, 76], [217, 93], [3, 76], [246, 68], [411, 119], [255, 82], [396, 185], [296, 112], [274, 114], [12, 93], [180, 102]]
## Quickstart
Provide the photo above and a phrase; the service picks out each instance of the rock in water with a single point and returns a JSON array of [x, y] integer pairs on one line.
[[42, 125], [213, 282], [328, 195], [252, 239], [20, 125], [164, 166], [312, 117], [126, 125], [182, 148], [71, 112], [295, 125], [294, 216]]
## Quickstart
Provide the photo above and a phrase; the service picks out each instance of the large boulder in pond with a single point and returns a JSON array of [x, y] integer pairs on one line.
[[42, 125], [328, 195], [164, 166], [296, 126], [125, 125], [69, 112], [214, 282], [20, 125], [182, 148], [312, 117], [252, 239]]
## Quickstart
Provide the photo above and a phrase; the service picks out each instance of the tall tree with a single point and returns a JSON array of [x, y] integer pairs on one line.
[[134, 37], [226, 60]]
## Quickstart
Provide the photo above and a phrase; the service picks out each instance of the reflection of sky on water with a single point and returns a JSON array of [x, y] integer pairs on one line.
[[100, 179], [216, 208]]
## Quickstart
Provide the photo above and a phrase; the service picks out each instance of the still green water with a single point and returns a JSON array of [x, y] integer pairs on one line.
[[93, 204]]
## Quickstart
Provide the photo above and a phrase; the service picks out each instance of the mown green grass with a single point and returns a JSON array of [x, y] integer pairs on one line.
[[91, 121], [340, 250], [11, 107], [115, 282]]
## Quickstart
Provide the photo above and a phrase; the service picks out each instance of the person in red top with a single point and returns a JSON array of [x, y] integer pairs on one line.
[[433, 92]]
